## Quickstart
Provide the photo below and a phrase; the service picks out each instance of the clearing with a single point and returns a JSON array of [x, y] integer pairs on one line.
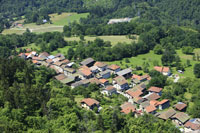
[[58, 21], [113, 39]]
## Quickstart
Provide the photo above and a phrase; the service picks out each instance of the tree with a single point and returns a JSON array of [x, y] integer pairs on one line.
[[187, 50], [70, 53], [197, 70], [188, 63], [167, 58], [158, 49]]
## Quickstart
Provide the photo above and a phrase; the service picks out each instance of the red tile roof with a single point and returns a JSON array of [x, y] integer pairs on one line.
[[153, 96], [155, 89], [127, 108], [113, 67], [86, 72], [35, 61], [60, 77], [180, 106], [136, 93], [191, 125], [100, 64], [90, 101], [103, 80], [150, 108], [109, 88], [162, 69], [154, 102], [163, 101]]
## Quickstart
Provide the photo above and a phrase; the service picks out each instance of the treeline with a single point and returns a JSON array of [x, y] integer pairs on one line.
[[32, 101], [164, 37]]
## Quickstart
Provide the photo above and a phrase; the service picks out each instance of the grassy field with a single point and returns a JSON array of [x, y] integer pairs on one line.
[[113, 39], [58, 21], [151, 58]]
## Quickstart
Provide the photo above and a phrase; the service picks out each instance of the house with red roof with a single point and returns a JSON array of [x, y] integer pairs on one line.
[[163, 104], [164, 70], [150, 109], [156, 90], [101, 66], [180, 106], [191, 126], [89, 103], [120, 83], [114, 68], [109, 90], [134, 93], [104, 82], [127, 108]]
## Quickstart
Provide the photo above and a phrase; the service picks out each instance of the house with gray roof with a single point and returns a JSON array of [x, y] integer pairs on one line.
[[126, 73], [88, 62]]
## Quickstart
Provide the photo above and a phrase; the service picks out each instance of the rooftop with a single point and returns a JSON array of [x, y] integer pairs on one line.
[[90, 101], [183, 117], [155, 89], [180, 106], [167, 114], [113, 67], [150, 108], [87, 61], [124, 72]]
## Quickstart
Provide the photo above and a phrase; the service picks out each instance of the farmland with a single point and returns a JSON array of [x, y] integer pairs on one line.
[[57, 23]]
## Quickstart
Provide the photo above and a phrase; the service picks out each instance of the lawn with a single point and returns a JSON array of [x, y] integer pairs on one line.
[[150, 58], [61, 50], [113, 39], [58, 21], [66, 18]]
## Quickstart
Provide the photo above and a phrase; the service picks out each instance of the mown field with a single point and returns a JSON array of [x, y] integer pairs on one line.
[[151, 58], [58, 21], [113, 39]]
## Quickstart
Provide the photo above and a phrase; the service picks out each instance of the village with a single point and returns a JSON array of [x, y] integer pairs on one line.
[[141, 100]]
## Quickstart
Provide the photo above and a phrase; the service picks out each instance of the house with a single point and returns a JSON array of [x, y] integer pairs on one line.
[[51, 57], [88, 62], [104, 74], [132, 93], [191, 126], [69, 80], [152, 96], [94, 81], [126, 73], [180, 118], [164, 70], [69, 71], [43, 55], [38, 58], [138, 100], [114, 68], [136, 79], [127, 108], [144, 104], [109, 90], [104, 82], [94, 69], [142, 87], [101, 66], [119, 20], [150, 109], [84, 82], [89, 103], [120, 83], [156, 90], [49, 61], [180, 106], [163, 104], [57, 59], [60, 77], [167, 114], [85, 73], [57, 69], [58, 63]]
